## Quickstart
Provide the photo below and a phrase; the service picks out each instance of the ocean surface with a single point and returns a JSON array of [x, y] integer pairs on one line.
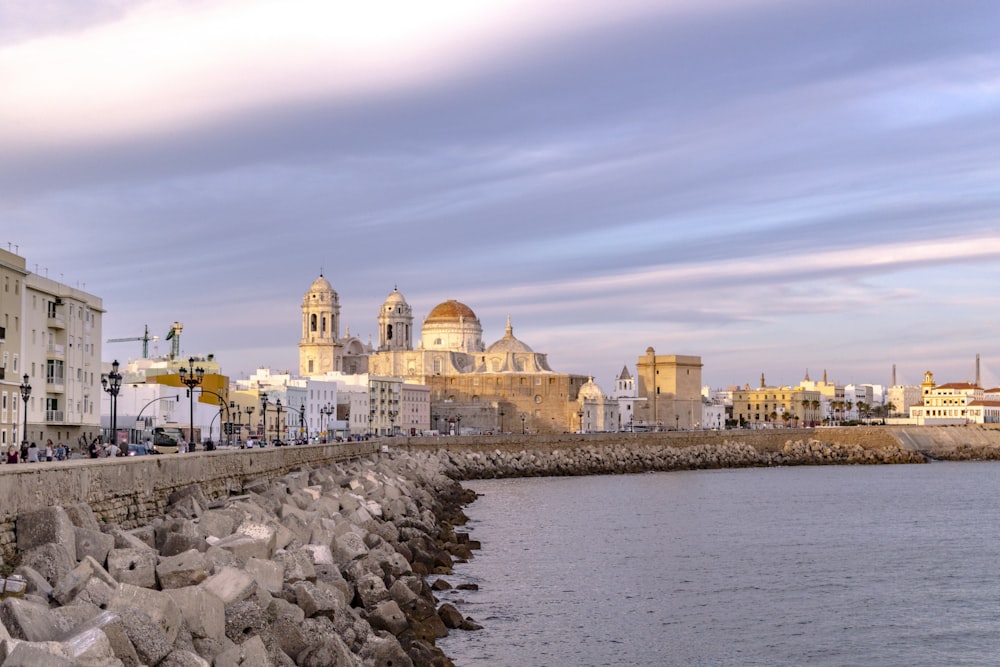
[[818, 566]]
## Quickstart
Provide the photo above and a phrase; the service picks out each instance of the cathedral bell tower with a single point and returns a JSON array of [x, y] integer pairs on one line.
[[395, 324], [320, 349]]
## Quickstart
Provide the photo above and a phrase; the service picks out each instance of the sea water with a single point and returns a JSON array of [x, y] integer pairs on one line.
[[820, 566]]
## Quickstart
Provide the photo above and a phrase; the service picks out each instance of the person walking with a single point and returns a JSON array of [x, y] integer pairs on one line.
[[50, 450], [32, 453], [94, 449]]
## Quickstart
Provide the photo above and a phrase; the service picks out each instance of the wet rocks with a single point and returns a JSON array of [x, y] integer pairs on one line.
[[319, 567]]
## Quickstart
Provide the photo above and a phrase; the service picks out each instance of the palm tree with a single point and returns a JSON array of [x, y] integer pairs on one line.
[[848, 405], [786, 417], [890, 408], [805, 410], [815, 407]]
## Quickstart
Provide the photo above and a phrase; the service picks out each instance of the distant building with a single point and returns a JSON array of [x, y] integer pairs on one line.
[[771, 407], [627, 395], [671, 388], [955, 403]]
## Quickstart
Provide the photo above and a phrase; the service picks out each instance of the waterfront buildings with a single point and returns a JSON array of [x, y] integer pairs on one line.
[[51, 333]]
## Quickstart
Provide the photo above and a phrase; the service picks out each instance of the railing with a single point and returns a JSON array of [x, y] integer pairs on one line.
[[52, 416], [57, 321]]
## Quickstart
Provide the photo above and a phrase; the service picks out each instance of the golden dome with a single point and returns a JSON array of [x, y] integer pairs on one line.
[[451, 311]]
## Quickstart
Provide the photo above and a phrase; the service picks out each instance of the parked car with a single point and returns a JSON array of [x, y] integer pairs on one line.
[[136, 449]]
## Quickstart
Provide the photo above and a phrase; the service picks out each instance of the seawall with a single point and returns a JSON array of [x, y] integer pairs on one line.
[[132, 491]]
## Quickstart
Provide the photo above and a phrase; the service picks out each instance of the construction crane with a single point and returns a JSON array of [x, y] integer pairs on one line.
[[144, 338], [175, 339]]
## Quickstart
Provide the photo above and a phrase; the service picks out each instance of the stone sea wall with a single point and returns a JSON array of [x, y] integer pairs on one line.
[[324, 566]]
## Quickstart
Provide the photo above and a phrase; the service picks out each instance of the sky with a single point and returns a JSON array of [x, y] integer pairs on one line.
[[776, 186]]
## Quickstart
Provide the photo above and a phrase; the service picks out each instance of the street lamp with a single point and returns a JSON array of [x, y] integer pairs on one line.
[[458, 425], [327, 410], [249, 410], [112, 383], [579, 413], [239, 423], [392, 423], [263, 413], [523, 417], [277, 424], [25, 393], [191, 377], [437, 423], [501, 420]]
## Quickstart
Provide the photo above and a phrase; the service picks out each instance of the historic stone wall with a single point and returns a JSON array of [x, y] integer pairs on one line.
[[133, 490]]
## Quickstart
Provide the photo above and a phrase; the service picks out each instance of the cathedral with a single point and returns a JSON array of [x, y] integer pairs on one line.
[[506, 383]]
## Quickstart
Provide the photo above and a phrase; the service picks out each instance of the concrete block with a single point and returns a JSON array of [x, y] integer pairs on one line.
[[244, 546], [87, 582], [133, 566], [269, 575], [157, 605], [230, 585], [251, 653], [204, 612], [185, 569], [32, 621], [111, 626], [45, 526], [216, 523], [348, 546], [93, 543], [389, 617], [298, 565]]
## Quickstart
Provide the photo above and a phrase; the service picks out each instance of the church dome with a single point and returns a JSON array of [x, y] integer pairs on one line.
[[394, 298], [508, 343], [450, 311], [321, 284], [590, 391]]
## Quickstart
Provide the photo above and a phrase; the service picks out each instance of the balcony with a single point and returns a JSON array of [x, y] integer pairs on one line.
[[55, 384], [54, 416], [56, 322], [54, 351]]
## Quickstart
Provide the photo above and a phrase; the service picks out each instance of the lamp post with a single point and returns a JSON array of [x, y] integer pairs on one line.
[[277, 424], [437, 423], [249, 410], [25, 394], [239, 423], [112, 383], [523, 417], [263, 414], [392, 423], [191, 377], [327, 410], [458, 425], [501, 420]]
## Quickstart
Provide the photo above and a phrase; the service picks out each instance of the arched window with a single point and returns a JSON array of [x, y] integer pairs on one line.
[[312, 322]]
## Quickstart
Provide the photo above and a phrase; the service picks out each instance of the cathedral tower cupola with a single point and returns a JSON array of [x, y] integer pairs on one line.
[[395, 324], [319, 348]]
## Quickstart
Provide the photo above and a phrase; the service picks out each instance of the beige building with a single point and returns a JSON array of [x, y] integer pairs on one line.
[[12, 276], [671, 387], [770, 407], [459, 369], [60, 351]]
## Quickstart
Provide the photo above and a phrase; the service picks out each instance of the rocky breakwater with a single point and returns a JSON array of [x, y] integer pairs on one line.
[[320, 567], [632, 458]]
